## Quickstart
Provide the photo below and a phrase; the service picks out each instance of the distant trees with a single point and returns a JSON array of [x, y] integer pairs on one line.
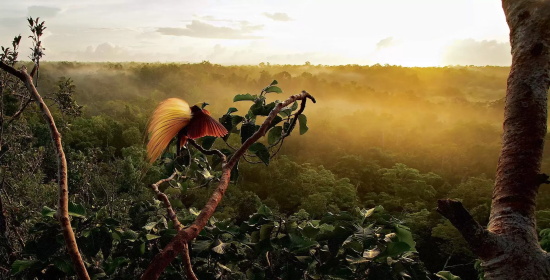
[[509, 247]]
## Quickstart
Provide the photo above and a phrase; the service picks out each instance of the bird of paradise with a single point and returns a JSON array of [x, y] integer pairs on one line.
[[174, 117]]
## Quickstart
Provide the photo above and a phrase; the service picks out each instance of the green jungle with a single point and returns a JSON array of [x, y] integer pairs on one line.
[[351, 194]]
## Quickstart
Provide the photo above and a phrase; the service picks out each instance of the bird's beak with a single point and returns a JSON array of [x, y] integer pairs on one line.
[[204, 105]]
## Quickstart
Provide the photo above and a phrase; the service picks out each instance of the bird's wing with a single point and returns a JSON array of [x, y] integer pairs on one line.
[[202, 124], [168, 119]]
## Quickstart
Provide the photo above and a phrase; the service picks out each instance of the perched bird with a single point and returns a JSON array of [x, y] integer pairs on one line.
[[173, 117]]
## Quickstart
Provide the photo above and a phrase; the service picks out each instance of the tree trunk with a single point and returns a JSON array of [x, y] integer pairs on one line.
[[509, 247]]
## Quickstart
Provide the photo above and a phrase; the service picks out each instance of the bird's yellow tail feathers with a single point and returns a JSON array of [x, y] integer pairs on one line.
[[168, 119]]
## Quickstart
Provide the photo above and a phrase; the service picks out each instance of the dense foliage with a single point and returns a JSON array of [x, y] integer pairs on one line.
[[380, 135]]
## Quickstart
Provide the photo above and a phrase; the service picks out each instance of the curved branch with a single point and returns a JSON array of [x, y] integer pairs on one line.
[[162, 197], [480, 240], [63, 205], [207, 152], [177, 225], [178, 243]]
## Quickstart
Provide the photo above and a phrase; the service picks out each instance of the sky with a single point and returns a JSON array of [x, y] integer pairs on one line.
[[365, 32]]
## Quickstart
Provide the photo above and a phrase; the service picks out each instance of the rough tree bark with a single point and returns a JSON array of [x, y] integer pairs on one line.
[[184, 236], [509, 247], [63, 206]]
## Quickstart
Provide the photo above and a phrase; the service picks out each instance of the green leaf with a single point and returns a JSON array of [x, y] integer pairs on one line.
[[405, 235], [273, 89], [446, 275], [142, 248], [150, 225], [244, 97], [193, 211], [265, 231], [261, 151], [47, 212], [220, 248], [285, 112], [235, 120], [303, 124], [274, 83], [259, 109], [77, 210], [395, 249], [274, 135], [264, 210], [300, 244], [205, 174], [247, 129], [64, 265], [231, 110], [371, 254], [226, 121], [367, 213], [151, 236], [275, 121], [207, 142], [310, 231], [294, 106], [21, 265], [110, 267], [130, 235]]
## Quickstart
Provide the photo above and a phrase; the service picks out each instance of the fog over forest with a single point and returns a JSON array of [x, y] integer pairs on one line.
[[387, 138]]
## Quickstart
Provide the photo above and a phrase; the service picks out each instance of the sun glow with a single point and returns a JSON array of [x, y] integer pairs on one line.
[[396, 32], [411, 54]]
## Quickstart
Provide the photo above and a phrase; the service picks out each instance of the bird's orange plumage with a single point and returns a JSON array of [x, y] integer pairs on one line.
[[173, 116]]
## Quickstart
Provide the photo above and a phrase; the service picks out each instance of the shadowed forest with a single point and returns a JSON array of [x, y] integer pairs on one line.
[[386, 139]]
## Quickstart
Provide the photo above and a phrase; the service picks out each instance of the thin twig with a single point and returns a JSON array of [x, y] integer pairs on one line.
[[21, 109], [177, 225], [162, 197], [207, 152]]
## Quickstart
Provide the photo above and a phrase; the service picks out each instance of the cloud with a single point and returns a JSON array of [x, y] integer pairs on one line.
[[481, 53], [386, 43], [43, 11], [201, 29], [278, 16]]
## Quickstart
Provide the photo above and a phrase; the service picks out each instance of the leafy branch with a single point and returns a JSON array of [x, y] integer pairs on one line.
[[178, 243]]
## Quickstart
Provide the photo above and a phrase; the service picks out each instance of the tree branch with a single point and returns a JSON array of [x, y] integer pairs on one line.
[[20, 111], [207, 152], [63, 205], [479, 239], [178, 243], [177, 225], [12, 71], [162, 197]]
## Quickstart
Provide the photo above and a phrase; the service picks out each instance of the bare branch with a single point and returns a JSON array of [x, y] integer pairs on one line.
[[34, 70], [208, 152], [177, 225], [187, 262], [12, 71], [162, 197], [20, 111], [479, 239]]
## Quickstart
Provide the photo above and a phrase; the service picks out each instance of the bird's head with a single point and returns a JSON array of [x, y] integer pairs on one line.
[[201, 105]]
